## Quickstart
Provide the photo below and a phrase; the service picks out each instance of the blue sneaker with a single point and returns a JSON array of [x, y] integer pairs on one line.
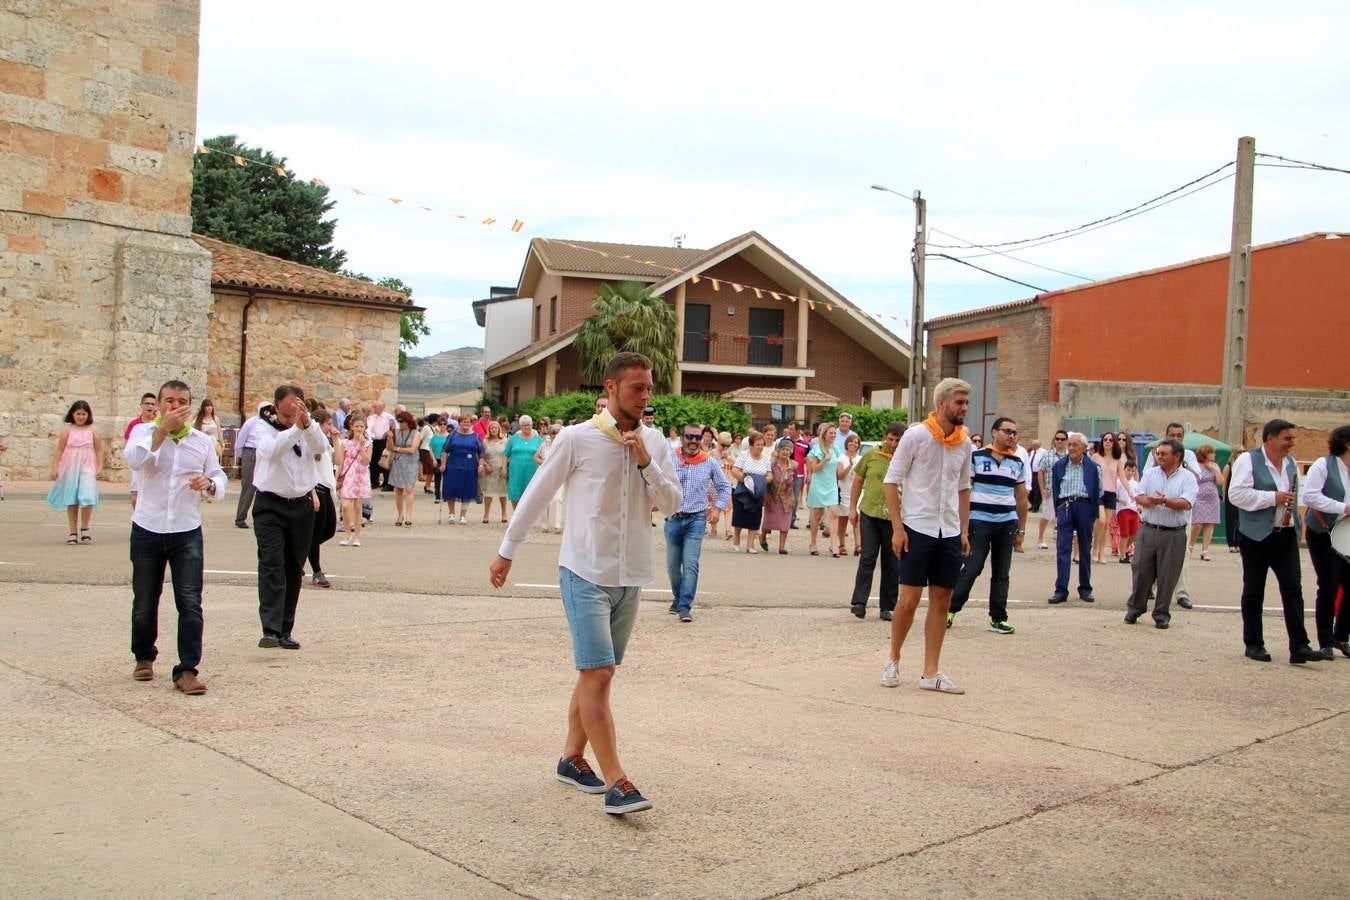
[[578, 773], [624, 798]]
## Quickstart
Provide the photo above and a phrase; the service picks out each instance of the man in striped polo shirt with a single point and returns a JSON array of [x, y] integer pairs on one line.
[[998, 521]]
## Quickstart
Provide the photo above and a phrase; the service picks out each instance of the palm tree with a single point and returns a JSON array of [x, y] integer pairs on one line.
[[627, 318]]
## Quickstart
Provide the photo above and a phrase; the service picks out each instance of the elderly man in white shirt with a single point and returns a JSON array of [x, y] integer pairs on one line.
[[1264, 488], [1165, 497], [1325, 495], [290, 447], [177, 465], [1175, 431], [932, 465], [615, 469]]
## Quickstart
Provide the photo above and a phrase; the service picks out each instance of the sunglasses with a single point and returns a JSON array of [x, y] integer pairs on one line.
[[1011, 431], [693, 436]]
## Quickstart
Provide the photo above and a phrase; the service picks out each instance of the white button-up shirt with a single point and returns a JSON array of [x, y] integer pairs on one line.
[[931, 476], [608, 539], [1242, 489], [1316, 482], [166, 504], [1180, 485], [278, 469]]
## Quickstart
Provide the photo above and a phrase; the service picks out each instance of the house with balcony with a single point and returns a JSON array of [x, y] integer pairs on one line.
[[753, 326]]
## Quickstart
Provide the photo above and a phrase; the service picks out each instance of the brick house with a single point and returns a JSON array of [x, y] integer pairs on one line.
[[753, 325], [1145, 349]]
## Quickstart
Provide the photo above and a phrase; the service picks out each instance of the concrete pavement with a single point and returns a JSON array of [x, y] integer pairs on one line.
[[408, 748]]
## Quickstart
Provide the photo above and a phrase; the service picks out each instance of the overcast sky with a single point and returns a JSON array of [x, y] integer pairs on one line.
[[638, 122]]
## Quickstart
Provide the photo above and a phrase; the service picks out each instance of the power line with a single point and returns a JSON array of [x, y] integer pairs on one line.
[[957, 259], [974, 246], [1302, 163], [1114, 221], [1097, 222]]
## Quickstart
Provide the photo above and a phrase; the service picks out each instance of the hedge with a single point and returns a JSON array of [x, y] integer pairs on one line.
[[871, 424], [672, 410]]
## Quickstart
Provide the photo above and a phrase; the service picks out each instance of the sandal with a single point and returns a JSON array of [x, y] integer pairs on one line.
[[857, 551], [73, 538], [782, 553], [1205, 556], [85, 536], [834, 553], [485, 520], [815, 552]]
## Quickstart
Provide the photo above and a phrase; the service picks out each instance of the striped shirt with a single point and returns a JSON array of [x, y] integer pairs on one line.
[[993, 487]]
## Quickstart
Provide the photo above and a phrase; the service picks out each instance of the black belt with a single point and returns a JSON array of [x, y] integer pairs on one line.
[[1077, 499], [685, 515], [1165, 527], [284, 499]]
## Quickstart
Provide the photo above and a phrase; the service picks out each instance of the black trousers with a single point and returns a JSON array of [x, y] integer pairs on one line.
[[283, 528], [987, 539], [325, 526], [1333, 572], [876, 542], [1034, 494], [1278, 553], [182, 552], [247, 456], [376, 451]]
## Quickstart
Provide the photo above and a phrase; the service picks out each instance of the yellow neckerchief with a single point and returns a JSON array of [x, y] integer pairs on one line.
[[607, 425], [949, 440]]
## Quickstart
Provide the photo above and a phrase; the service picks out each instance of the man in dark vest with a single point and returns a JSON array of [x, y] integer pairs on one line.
[[1264, 488], [1324, 493]]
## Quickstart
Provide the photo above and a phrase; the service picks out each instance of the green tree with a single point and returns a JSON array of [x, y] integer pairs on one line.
[[871, 424], [255, 207], [412, 326], [627, 318]]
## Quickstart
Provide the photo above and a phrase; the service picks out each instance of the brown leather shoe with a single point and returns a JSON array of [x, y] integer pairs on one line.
[[144, 671], [188, 683]]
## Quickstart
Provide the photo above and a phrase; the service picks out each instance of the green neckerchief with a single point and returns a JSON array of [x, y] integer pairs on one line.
[[177, 435]]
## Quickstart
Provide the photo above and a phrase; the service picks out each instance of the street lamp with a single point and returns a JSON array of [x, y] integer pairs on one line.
[[916, 407]]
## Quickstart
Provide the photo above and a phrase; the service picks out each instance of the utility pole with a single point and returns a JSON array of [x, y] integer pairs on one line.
[[1232, 402], [917, 410]]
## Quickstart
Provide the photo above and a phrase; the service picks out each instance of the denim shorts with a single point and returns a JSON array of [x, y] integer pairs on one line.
[[601, 619]]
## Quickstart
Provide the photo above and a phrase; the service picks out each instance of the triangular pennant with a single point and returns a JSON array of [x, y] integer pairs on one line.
[[319, 182], [358, 192], [694, 278], [716, 286], [758, 294], [395, 200], [281, 171], [517, 225], [239, 161], [489, 220], [738, 288]]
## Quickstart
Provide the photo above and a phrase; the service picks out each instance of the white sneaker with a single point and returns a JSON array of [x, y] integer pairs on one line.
[[940, 683], [1043, 546], [344, 542], [891, 677], [462, 521]]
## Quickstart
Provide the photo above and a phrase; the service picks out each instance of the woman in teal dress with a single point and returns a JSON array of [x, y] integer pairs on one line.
[[520, 463], [823, 494]]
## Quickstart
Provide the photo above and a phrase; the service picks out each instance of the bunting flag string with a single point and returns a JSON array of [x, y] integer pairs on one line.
[[243, 161], [718, 283]]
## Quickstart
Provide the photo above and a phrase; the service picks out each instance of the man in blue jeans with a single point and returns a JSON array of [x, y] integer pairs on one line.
[[615, 470], [1076, 485], [998, 521], [684, 530], [177, 465]]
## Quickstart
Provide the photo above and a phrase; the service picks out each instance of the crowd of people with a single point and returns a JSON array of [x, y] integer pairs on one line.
[[928, 505]]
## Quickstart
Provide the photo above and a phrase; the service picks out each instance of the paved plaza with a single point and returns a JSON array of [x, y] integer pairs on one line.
[[408, 748]]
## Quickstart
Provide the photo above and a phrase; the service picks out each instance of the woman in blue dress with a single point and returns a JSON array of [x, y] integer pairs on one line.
[[461, 455], [520, 462]]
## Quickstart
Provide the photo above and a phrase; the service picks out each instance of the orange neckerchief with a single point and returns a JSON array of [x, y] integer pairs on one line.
[[950, 440], [694, 460], [997, 452]]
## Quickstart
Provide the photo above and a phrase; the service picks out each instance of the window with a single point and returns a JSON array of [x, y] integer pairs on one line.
[[515, 395], [537, 308], [553, 315], [697, 324], [977, 362], [766, 338], [776, 412]]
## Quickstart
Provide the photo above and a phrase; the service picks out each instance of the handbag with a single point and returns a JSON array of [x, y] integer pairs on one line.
[[387, 458]]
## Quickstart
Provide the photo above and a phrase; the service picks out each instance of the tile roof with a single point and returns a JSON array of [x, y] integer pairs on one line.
[[602, 258], [780, 395], [235, 266]]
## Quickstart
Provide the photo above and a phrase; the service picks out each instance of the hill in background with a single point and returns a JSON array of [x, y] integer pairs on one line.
[[445, 373]]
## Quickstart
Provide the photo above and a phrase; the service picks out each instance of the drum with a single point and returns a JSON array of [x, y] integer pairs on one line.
[[1340, 539]]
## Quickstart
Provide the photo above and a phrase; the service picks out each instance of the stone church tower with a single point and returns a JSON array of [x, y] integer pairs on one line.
[[103, 293]]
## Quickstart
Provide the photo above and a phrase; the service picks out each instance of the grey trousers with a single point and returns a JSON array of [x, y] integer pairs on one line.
[[246, 457], [1158, 555]]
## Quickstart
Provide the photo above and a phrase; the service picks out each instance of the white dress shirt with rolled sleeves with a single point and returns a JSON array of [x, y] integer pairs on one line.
[[1242, 490], [1316, 481], [608, 539], [167, 504], [931, 476], [278, 469]]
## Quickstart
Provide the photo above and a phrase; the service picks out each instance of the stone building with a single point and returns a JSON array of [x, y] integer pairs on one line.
[[104, 293], [1145, 349], [752, 325]]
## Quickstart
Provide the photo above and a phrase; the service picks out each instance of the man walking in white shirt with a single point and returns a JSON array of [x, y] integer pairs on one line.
[[932, 465], [289, 444], [177, 465], [615, 470], [1165, 497]]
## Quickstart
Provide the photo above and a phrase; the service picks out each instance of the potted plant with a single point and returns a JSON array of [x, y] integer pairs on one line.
[[741, 338], [774, 340], [709, 336]]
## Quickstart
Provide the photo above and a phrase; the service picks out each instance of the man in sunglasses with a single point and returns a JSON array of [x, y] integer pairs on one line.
[[684, 530], [998, 521]]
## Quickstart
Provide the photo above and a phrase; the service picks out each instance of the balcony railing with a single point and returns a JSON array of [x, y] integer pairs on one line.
[[740, 350]]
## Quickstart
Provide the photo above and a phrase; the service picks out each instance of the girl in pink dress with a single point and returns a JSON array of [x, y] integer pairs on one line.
[[354, 478], [75, 467]]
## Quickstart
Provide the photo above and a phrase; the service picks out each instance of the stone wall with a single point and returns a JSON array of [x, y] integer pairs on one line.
[[103, 294], [333, 349]]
